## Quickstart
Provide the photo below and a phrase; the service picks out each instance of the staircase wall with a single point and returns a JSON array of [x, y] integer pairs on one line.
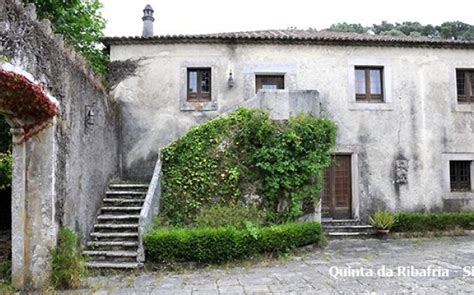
[[60, 176]]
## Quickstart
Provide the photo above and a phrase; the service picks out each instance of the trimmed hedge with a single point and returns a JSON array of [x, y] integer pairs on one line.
[[420, 222], [214, 245]]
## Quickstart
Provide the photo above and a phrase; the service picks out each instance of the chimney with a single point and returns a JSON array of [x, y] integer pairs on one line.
[[148, 20]]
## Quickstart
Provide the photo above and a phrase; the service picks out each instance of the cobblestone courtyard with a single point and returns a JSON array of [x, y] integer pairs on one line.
[[420, 266]]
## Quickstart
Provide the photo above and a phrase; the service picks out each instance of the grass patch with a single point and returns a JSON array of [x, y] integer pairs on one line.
[[68, 264]]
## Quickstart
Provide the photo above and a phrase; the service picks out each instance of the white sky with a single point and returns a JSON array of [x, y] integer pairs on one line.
[[208, 16]]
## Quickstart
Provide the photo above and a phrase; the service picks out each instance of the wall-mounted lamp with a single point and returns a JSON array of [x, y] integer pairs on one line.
[[230, 81]]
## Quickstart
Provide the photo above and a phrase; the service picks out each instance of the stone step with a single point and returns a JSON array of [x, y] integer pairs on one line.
[[125, 193], [115, 236], [118, 219], [123, 200], [120, 210], [348, 228], [124, 186], [105, 217], [114, 226], [339, 222], [94, 244], [92, 253], [127, 202], [115, 265], [350, 235]]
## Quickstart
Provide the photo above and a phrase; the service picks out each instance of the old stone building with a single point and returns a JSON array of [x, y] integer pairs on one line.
[[403, 106]]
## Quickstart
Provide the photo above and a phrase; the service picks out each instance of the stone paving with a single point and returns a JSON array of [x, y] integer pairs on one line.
[[420, 266]]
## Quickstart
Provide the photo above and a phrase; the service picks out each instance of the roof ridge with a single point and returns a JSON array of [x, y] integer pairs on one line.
[[297, 36]]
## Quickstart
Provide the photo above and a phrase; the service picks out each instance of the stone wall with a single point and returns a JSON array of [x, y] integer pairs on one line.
[[62, 173], [420, 121]]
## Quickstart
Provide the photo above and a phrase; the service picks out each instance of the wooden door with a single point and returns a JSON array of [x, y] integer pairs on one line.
[[337, 192]]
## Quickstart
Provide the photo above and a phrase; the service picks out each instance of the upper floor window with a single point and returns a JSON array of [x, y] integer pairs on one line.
[[460, 176], [465, 85], [369, 84], [199, 84], [266, 82]]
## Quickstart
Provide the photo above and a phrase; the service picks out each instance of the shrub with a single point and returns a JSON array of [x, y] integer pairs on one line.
[[246, 152], [214, 245], [382, 220], [420, 222], [68, 265], [237, 215], [6, 163], [5, 271]]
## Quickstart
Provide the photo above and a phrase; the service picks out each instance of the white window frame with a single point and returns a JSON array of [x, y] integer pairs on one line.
[[447, 158], [184, 104], [455, 106], [387, 104]]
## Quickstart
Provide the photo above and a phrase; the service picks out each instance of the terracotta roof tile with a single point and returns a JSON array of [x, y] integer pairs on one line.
[[296, 37]]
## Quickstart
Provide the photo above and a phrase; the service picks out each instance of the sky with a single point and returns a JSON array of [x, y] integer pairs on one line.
[[211, 16]]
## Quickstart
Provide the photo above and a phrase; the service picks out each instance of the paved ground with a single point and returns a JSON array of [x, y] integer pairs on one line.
[[440, 266]]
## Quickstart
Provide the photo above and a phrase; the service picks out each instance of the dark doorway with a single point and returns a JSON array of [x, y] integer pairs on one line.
[[5, 197], [337, 192]]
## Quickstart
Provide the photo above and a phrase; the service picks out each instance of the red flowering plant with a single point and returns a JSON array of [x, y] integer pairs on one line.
[[25, 103]]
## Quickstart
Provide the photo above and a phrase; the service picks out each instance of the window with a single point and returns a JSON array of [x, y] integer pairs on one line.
[[369, 84], [460, 176], [465, 86], [269, 82], [199, 85]]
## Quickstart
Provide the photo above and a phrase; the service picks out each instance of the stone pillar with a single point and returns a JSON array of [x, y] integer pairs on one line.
[[34, 228], [148, 20]]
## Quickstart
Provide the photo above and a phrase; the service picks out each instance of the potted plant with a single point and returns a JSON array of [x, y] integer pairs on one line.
[[382, 221]]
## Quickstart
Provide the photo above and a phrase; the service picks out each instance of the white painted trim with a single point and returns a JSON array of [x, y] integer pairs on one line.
[[447, 193], [184, 105], [387, 104], [251, 70], [355, 186], [455, 106]]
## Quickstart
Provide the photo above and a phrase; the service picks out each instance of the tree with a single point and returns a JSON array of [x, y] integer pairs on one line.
[[448, 30], [81, 24], [456, 30], [345, 27]]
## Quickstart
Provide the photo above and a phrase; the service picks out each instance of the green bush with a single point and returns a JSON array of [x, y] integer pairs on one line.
[[237, 215], [6, 163], [382, 220], [214, 245], [5, 271], [420, 222], [246, 152], [68, 265]]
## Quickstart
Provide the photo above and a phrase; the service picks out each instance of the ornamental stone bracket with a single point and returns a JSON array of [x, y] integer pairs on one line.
[[401, 171]]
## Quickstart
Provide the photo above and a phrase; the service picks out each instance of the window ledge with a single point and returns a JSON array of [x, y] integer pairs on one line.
[[468, 108], [198, 106], [458, 195], [370, 106]]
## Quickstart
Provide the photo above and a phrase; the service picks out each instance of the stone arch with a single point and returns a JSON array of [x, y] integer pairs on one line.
[[30, 111]]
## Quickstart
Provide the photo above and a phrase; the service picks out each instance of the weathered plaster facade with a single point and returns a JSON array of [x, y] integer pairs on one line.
[[60, 175], [419, 123]]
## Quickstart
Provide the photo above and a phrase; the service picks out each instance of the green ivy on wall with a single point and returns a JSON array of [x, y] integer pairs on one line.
[[245, 152]]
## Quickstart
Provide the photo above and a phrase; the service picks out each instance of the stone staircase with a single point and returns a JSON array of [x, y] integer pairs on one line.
[[347, 228], [114, 241]]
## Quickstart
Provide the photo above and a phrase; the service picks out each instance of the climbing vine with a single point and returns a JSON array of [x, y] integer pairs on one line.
[[243, 154], [25, 103]]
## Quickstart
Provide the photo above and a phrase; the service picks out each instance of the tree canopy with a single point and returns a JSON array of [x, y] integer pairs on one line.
[[81, 23], [455, 30]]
